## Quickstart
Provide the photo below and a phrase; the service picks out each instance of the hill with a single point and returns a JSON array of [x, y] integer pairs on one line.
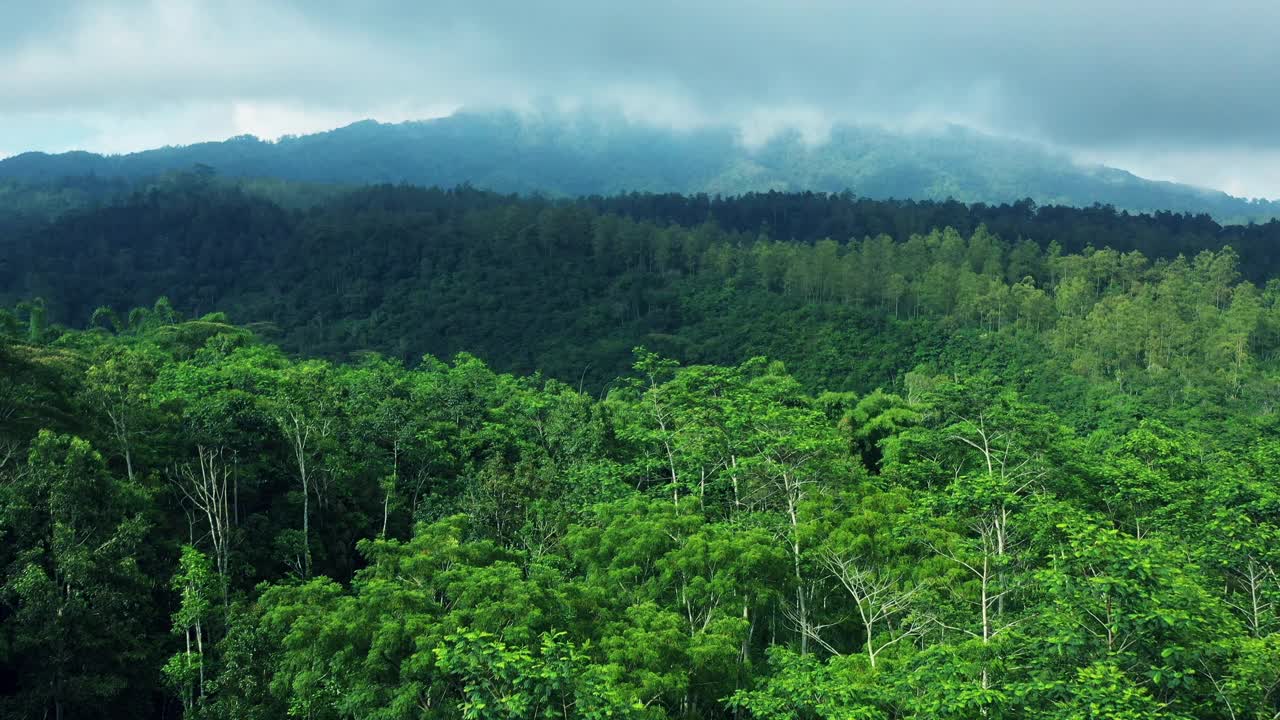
[[574, 155], [569, 287]]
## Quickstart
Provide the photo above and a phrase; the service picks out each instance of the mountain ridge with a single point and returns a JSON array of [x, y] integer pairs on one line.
[[588, 154]]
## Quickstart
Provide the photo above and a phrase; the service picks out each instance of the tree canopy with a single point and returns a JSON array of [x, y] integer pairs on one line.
[[688, 472]]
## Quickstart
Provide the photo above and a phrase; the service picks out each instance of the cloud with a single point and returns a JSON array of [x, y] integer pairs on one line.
[[1168, 84]]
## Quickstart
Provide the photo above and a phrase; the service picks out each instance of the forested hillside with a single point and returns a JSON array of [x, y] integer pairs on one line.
[[574, 154], [871, 459], [849, 292]]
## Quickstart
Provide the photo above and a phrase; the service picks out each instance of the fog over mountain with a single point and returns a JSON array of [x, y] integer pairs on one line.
[[571, 154], [1166, 90]]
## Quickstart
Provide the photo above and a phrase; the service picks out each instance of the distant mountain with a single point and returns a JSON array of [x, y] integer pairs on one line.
[[588, 155]]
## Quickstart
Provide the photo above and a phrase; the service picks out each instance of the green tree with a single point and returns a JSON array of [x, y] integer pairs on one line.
[[197, 588], [76, 597]]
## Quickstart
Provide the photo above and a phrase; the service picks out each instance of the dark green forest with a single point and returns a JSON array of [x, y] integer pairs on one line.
[[847, 291], [396, 453]]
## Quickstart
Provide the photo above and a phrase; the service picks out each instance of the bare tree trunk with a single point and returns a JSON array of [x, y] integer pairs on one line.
[[801, 607], [306, 521], [386, 504], [299, 434], [878, 600], [122, 436], [207, 488], [200, 654], [235, 488], [189, 699], [395, 479], [733, 475]]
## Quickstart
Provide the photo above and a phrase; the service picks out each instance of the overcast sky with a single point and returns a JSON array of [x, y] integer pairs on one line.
[[1177, 89]]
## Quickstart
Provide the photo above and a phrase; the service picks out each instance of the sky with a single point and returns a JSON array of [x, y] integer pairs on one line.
[[1176, 89]]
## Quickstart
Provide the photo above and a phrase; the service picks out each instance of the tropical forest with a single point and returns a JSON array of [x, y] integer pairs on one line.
[[617, 360], [420, 453]]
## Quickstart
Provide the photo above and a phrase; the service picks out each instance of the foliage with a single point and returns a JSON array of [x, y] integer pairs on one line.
[[969, 494]]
